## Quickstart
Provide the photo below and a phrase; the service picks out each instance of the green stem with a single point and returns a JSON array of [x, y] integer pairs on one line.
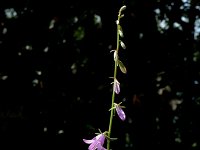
[[113, 92]]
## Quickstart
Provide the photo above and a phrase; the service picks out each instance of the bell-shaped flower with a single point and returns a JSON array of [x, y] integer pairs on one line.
[[116, 86], [96, 143], [120, 112]]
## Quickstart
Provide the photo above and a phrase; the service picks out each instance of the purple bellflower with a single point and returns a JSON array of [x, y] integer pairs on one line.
[[96, 143], [120, 112], [116, 86]]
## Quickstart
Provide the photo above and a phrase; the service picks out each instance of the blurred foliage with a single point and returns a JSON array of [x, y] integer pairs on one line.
[[55, 64]]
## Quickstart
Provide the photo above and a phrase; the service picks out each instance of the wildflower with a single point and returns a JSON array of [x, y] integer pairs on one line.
[[120, 112], [116, 86], [96, 143]]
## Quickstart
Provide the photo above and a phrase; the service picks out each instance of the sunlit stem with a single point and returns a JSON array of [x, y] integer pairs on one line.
[[114, 77]]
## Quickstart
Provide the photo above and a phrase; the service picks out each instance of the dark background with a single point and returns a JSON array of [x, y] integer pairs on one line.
[[55, 64]]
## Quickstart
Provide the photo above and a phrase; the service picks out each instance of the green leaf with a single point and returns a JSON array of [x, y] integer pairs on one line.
[[122, 67]]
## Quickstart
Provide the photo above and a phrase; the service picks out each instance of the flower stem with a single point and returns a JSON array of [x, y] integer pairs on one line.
[[114, 77]]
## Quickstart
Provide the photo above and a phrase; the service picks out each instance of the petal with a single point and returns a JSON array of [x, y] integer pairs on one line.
[[100, 147], [98, 136], [94, 145], [101, 139], [120, 113], [91, 141], [116, 86], [88, 141], [98, 143]]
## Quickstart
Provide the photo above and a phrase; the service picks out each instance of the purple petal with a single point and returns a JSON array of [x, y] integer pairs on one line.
[[96, 143], [116, 86], [102, 139], [100, 147], [91, 141], [120, 113], [88, 141]]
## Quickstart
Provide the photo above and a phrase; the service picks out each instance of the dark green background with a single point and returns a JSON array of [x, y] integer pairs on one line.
[[55, 85]]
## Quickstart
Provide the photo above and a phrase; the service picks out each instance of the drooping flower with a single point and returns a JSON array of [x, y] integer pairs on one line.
[[96, 143], [116, 86], [120, 112]]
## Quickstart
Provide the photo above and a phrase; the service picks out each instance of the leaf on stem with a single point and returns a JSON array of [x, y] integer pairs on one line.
[[122, 67]]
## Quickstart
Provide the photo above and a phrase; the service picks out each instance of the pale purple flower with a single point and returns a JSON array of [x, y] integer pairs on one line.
[[120, 112], [116, 86], [96, 143]]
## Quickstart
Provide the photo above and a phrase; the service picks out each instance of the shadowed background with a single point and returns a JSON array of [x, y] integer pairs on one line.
[[55, 64]]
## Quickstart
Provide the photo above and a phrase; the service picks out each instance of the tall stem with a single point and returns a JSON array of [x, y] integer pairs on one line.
[[113, 92]]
